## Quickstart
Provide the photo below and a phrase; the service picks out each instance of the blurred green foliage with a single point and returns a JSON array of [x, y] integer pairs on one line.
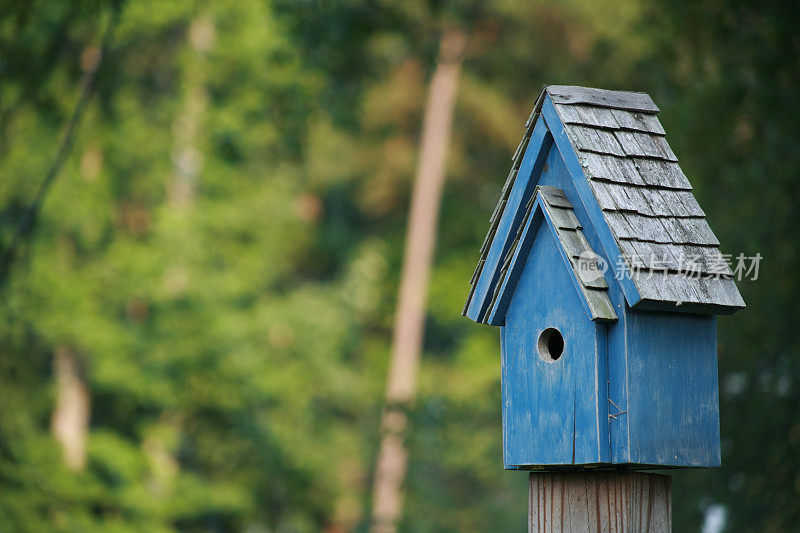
[[222, 249]]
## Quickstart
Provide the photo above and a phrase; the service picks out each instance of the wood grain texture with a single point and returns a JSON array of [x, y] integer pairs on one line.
[[632, 101], [601, 501]]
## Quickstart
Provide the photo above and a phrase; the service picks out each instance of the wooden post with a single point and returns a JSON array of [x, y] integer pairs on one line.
[[607, 501]]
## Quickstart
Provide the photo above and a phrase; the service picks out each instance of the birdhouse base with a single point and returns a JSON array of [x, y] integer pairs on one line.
[[614, 501]]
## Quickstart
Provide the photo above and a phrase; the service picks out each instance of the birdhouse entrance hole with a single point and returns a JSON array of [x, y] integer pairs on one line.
[[551, 344]]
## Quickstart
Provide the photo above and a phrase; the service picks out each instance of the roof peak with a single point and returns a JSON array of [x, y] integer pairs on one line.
[[628, 100]]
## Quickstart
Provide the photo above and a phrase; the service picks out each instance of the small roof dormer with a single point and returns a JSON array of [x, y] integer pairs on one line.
[[550, 206]]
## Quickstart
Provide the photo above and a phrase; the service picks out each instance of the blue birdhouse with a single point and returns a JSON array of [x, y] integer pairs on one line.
[[605, 279]]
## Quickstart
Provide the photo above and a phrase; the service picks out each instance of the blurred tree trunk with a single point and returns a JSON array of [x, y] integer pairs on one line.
[[187, 158], [187, 162], [70, 420], [409, 321]]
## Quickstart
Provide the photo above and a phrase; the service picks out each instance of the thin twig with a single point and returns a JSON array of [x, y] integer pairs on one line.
[[27, 221]]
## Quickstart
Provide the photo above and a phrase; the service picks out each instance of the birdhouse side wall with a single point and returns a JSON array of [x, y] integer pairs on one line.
[[554, 411], [672, 389]]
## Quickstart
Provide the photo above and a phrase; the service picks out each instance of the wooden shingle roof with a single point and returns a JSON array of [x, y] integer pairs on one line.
[[645, 198]]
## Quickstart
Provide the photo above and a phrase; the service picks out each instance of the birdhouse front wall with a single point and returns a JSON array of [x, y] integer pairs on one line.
[[554, 397]]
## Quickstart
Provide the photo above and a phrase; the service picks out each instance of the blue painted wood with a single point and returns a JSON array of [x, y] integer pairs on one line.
[[641, 392], [531, 165], [587, 199], [601, 388], [617, 365], [551, 174], [673, 395], [553, 412], [497, 314]]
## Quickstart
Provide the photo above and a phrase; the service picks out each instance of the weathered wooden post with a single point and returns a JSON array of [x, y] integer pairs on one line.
[[605, 279]]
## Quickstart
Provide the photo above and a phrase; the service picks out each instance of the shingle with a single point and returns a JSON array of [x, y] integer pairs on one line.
[[564, 218], [590, 281], [677, 252], [656, 202], [677, 231], [588, 259], [657, 256], [676, 288], [554, 196], [595, 140], [532, 118], [674, 203], [646, 228], [659, 145], [599, 304], [504, 192], [599, 189], [690, 203], [731, 292], [517, 157], [587, 115], [651, 286], [571, 94], [572, 242], [666, 174], [631, 254], [637, 201], [716, 263], [708, 258], [477, 270], [674, 254], [618, 223], [644, 253], [636, 143], [664, 254], [618, 194], [487, 240], [699, 231], [632, 120], [610, 168], [690, 231]]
